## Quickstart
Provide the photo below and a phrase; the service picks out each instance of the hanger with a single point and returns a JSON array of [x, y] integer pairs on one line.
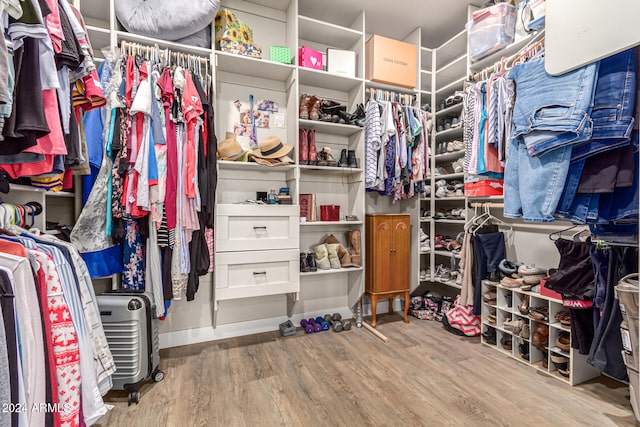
[[490, 217], [558, 234]]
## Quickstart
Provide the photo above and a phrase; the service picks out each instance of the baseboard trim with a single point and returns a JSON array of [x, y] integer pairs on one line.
[[232, 330]]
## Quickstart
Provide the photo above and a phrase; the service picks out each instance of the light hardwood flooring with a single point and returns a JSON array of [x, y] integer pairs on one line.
[[424, 376]]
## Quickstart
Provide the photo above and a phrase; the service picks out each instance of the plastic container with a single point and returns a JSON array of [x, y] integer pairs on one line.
[[330, 213], [491, 29], [484, 188]]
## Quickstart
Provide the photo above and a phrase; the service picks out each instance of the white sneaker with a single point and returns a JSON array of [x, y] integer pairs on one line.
[[455, 146], [457, 166], [424, 237], [441, 192]]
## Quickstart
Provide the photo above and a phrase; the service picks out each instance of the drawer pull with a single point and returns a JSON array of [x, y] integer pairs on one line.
[[258, 273], [260, 227]]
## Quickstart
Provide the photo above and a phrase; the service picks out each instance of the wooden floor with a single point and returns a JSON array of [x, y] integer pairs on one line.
[[424, 376]]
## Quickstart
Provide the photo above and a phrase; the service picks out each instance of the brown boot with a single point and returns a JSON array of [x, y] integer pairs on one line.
[[303, 147], [355, 248], [314, 108], [305, 106], [311, 140], [343, 255]]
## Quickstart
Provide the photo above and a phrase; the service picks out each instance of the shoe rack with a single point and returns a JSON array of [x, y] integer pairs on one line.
[[448, 65], [514, 304]]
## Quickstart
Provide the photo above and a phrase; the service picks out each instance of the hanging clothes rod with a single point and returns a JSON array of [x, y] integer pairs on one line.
[[155, 52], [391, 96], [506, 60], [489, 205]]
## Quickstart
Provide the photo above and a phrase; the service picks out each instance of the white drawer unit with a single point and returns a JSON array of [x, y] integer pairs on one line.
[[256, 227], [253, 274]]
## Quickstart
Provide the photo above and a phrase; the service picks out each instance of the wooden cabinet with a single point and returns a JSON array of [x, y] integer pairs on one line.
[[388, 260]]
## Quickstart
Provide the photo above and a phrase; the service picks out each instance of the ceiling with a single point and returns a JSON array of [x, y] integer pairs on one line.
[[439, 19]]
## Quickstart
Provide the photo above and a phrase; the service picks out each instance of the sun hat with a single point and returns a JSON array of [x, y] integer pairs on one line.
[[273, 162], [230, 148], [272, 148]]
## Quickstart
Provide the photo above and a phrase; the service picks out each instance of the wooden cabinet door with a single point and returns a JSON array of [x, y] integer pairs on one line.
[[383, 244], [401, 253]]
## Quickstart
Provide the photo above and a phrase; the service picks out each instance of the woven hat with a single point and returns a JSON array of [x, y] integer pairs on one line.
[[230, 148], [273, 162], [272, 148]]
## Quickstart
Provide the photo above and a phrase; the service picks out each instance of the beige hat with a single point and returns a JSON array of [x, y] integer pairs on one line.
[[273, 162], [272, 148], [230, 148]]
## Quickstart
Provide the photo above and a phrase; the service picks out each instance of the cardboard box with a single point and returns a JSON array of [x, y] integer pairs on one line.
[[341, 62], [391, 61], [309, 58]]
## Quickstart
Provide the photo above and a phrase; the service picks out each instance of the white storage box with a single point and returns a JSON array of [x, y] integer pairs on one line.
[[341, 62]]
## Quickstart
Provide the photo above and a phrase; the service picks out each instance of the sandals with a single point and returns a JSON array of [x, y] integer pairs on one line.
[[490, 297], [524, 305], [539, 314], [564, 317]]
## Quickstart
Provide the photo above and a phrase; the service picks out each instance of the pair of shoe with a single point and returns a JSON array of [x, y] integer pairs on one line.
[[307, 147], [458, 166], [514, 326], [455, 146], [424, 241], [348, 159], [453, 189], [454, 99], [308, 262], [561, 363], [490, 297], [425, 274], [332, 254], [489, 336]]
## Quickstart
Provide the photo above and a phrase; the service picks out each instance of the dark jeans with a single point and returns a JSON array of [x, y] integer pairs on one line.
[[488, 252], [606, 349]]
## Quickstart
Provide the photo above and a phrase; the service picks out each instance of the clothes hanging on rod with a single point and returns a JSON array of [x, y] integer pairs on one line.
[[396, 148], [157, 177], [63, 358]]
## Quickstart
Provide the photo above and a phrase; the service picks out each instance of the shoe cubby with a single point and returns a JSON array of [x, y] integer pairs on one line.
[[504, 342], [489, 335], [579, 370], [504, 300]]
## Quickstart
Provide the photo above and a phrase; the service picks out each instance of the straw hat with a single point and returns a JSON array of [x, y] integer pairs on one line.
[[273, 162], [230, 149], [272, 148]]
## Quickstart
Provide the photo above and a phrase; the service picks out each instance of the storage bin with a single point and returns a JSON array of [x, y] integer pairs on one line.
[[491, 29], [309, 58], [390, 61], [627, 293], [329, 213], [484, 188], [341, 62], [280, 54]]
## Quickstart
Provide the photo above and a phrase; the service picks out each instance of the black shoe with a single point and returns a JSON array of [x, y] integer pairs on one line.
[[343, 162], [352, 161], [490, 336], [311, 261], [304, 265]]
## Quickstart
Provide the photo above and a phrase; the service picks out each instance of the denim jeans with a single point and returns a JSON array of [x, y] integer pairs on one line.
[[552, 111], [533, 185], [613, 106]]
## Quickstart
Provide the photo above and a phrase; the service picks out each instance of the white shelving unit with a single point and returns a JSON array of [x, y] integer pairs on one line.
[[506, 307]]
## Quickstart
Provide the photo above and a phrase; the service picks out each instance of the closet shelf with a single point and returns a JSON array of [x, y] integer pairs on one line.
[[452, 87], [326, 33], [449, 283], [329, 223], [449, 176], [332, 271], [229, 165], [178, 47], [323, 79], [383, 86], [253, 67], [450, 221], [559, 325], [446, 253], [426, 59], [558, 350], [444, 199], [330, 128], [426, 220], [329, 169], [449, 133], [28, 188], [425, 81], [448, 51], [452, 71], [506, 52], [455, 110], [449, 156]]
